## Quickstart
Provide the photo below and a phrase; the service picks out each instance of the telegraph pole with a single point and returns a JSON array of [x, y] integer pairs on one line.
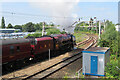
[[43, 29], [104, 25]]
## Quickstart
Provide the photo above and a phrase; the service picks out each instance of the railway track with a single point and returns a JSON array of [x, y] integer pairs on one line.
[[86, 41], [42, 74], [54, 68], [90, 39]]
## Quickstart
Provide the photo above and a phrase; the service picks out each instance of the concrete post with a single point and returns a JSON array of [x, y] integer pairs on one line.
[[49, 54], [43, 29]]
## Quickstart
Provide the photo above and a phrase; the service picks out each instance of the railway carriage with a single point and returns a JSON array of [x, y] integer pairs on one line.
[[15, 50], [42, 45]]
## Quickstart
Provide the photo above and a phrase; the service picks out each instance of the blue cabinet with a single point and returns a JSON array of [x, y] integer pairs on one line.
[[94, 60]]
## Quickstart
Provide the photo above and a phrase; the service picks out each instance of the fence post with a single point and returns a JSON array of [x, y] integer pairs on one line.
[[49, 54], [79, 72]]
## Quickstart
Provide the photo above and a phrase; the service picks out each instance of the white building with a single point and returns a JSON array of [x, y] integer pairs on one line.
[[9, 30], [117, 27]]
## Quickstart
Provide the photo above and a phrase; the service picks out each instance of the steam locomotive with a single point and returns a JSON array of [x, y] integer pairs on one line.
[[17, 52]]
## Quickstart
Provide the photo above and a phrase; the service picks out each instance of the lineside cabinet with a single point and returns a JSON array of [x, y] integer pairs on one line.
[[94, 60]]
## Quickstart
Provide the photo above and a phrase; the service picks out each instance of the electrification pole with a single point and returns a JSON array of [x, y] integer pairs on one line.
[[96, 23], [99, 28]]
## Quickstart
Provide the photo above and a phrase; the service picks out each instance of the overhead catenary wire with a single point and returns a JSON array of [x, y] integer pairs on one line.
[[37, 15], [27, 14]]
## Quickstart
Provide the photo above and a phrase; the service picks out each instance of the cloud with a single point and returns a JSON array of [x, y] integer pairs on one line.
[[74, 15], [59, 0]]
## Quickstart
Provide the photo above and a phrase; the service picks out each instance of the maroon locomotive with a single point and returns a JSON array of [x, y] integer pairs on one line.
[[16, 51]]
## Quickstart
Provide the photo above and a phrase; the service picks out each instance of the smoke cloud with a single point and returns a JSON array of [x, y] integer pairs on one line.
[[61, 10]]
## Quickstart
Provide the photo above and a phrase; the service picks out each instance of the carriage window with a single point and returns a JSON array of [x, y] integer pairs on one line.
[[11, 49], [18, 48]]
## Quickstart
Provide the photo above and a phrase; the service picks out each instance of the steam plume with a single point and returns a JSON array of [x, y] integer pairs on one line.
[[61, 8]]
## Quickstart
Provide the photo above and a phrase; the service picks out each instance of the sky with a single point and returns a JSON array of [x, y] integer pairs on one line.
[[18, 13]]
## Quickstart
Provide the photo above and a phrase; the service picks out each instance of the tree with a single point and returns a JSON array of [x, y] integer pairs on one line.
[[3, 23], [82, 23], [63, 32], [18, 27], [119, 44], [111, 70], [52, 31], [51, 24], [38, 27], [29, 27], [41, 24], [36, 35], [9, 25], [109, 38]]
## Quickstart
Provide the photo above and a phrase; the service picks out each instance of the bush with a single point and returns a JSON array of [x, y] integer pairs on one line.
[[103, 43], [34, 35], [52, 31], [111, 70], [37, 34], [109, 38], [85, 29], [63, 32], [48, 30]]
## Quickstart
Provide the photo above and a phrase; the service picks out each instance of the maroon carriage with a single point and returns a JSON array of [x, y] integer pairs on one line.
[[15, 50], [41, 46]]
